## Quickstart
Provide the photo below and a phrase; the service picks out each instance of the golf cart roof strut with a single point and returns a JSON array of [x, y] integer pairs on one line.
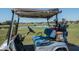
[[11, 28], [17, 24]]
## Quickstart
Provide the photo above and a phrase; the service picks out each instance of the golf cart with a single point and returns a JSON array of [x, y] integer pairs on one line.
[[53, 41]]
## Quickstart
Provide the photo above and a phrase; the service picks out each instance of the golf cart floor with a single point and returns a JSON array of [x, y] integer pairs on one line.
[[29, 47]]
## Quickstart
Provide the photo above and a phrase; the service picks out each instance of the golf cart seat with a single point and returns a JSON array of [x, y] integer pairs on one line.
[[40, 41], [44, 40], [50, 33]]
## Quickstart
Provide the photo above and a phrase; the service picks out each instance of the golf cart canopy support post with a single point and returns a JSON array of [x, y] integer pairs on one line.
[[48, 22], [56, 19], [11, 28], [17, 24]]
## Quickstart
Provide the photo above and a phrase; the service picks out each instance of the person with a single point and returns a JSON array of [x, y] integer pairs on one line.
[[30, 30]]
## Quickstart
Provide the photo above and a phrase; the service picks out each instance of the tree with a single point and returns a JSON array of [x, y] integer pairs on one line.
[[77, 21], [0, 23], [8, 22], [71, 22]]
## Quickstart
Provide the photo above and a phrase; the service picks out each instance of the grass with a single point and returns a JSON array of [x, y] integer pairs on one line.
[[3, 33], [73, 36]]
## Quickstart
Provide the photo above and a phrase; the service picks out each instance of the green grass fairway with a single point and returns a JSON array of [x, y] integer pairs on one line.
[[73, 36], [3, 33]]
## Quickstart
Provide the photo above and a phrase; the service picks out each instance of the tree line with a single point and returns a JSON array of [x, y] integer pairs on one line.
[[8, 22]]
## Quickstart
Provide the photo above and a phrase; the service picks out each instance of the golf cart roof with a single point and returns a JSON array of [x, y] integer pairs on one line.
[[36, 13]]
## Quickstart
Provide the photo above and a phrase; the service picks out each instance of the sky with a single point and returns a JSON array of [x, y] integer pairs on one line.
[[67, 13]]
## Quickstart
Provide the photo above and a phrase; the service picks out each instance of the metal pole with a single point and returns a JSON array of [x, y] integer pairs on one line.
[[48, 22], [56, 20], [17, 25], [11, 28]]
